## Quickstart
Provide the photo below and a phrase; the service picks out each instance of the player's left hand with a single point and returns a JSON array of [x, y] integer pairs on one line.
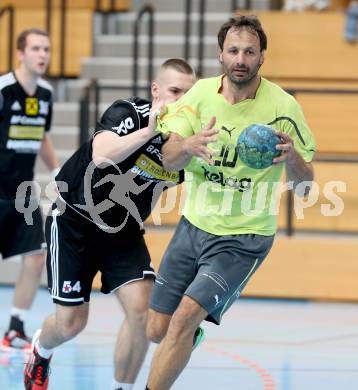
[[287, 148]]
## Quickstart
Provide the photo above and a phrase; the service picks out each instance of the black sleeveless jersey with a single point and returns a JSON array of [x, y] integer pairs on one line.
[[121, 195], [24, 120]]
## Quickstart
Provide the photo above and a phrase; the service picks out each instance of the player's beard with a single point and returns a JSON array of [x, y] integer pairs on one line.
[[240, 82]]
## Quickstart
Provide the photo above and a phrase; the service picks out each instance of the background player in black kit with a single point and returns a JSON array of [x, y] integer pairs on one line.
[[25, 120], [106, 189]]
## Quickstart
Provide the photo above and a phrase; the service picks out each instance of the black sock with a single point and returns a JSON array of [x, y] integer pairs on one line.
[[147, 388], [16, 324]]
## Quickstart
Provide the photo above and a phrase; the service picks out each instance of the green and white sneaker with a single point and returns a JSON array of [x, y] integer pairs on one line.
[[198, 337]]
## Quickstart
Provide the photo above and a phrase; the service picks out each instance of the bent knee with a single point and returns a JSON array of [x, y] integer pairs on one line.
[[157, 326], [34, 263], [138, 318], [70, 326], [155, 334]]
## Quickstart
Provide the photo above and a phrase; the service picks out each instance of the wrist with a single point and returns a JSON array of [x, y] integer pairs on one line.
[[292, 158], [186, 148], [149, 132]]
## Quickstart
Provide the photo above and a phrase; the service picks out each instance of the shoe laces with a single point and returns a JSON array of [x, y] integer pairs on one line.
[[41, 371], [39, 375]]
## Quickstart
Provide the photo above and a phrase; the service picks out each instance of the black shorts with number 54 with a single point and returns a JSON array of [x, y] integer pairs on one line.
[[78, 249]]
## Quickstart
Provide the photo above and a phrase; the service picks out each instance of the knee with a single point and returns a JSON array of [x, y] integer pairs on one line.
[[34, 264], [155, 334], [156, 329], [186, 320], [71, 326], [138, 317], [179, 325]]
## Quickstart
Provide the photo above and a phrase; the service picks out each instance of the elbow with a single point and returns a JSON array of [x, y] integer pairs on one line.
[[304, 188], [307, 190], [99, 161], [309, 181], [101, 149], [304, 185]]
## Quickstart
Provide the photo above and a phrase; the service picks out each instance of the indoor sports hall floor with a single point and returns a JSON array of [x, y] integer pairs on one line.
[[261, 345]]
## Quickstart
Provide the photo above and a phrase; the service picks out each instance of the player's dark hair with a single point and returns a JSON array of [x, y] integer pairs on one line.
[[21, 39], [179, 65], [250, 23]]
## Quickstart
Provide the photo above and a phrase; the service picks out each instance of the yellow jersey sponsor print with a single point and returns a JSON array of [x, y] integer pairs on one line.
[[31, 106], [150, 167], [27, 132]]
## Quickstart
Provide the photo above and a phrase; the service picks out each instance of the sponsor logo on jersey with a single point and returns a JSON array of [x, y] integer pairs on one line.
[[44, 107], [227, 130], [153, 150], [125, 125], [242, 185], [25, 120], [150, 167], [157, 140], [26, 132], [16, 106], [31, 106], [24, 146], [143, 174]]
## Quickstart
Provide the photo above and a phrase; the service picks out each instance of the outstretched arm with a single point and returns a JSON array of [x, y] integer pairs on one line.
[[108, 146], [297, 169], [178, 151]]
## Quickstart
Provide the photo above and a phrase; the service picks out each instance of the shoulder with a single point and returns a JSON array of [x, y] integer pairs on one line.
[[119, 108], [275, 89], [202, 89], [133, 103], [7, 80], [203, 85], [140, 105], [45, 84], [125, 115], [278, 95]]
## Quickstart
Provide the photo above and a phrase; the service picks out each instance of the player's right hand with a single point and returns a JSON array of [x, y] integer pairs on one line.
[[197, 145]]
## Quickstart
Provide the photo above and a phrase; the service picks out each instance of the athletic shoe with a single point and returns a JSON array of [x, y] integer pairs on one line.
[[14, 340], [198, 337], [37, 369]]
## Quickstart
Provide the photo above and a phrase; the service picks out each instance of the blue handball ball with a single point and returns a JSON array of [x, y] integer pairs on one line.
[[257, 146]]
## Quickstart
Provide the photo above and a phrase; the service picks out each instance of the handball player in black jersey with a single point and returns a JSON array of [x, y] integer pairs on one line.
[[25, 121]]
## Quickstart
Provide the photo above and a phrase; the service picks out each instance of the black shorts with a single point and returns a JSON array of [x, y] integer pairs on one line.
[[16, 236], [213, 270], [77, 249]]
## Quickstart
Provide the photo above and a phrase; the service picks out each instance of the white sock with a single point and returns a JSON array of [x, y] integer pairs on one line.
[[121, 386], [43, 352], [19, 313]]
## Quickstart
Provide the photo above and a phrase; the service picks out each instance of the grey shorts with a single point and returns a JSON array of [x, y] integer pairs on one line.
[[213, 270]]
